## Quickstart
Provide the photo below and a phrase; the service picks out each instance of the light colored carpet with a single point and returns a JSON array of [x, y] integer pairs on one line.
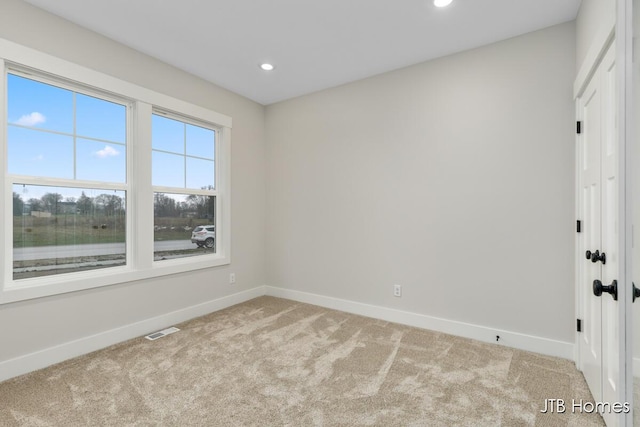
[[275, 362]]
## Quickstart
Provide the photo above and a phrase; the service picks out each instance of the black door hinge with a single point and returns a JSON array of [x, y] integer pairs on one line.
[[578, 226], [579, 325], [578, 127]]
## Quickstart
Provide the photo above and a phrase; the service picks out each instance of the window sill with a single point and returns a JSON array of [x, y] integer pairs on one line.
[[40, 287]]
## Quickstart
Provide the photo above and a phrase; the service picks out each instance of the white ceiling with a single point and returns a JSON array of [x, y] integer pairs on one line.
[[313, 44]]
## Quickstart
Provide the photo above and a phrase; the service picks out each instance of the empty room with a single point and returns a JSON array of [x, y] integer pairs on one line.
[[365, 212]]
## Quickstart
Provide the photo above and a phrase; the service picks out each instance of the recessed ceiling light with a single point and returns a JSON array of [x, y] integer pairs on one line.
[[442, 3], [267, 67]]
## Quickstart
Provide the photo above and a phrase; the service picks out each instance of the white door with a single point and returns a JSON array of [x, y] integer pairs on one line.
[[598, 248], [590, 214]]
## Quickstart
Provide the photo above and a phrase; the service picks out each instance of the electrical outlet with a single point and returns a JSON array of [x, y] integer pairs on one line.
[[397, 290], [232, 278]]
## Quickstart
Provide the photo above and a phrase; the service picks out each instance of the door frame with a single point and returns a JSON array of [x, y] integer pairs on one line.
[[624, 60]]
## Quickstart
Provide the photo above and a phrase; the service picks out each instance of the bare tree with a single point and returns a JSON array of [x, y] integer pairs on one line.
[[18, 204], [84, 204], [50, 202]]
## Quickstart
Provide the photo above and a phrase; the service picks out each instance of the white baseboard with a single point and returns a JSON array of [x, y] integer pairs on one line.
[[50, 356], [507, 338]]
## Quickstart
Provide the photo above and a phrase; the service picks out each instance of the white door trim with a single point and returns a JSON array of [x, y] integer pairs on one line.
[[624, 60]]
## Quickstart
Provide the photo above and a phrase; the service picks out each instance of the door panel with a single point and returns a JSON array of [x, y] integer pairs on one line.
[[590, 144]]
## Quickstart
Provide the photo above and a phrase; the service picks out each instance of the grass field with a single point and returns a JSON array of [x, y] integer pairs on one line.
[[73, 229]]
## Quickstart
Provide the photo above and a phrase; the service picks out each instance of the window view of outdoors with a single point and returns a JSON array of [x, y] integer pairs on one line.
[[183, 154], [61, 230], [184, 225], [183, 161], [55, 133], [67, 164]]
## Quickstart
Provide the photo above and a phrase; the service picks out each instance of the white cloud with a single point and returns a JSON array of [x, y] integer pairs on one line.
[[32, 119], [107, 151], [39, 158]]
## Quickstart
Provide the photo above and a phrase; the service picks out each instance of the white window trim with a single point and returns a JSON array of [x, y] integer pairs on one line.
[[139, 245]]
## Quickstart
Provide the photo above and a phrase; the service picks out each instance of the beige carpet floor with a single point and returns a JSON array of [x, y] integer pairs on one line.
[[275, 362]]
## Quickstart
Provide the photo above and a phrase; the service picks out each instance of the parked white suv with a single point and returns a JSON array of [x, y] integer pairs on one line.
[[204, 236]]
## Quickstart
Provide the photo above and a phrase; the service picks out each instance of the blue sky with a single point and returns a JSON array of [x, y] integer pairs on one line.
[[175, 140], [42, 141]]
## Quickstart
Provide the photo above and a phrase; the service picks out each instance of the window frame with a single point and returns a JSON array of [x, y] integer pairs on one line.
[[187, 190], [142, 103], [12, 179]]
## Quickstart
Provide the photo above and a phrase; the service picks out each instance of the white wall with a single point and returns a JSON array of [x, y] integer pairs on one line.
[[34, 325], [453, 178], [594, 16]]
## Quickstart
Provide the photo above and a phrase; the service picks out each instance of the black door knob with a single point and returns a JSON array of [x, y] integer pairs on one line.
[[636, 292], [599, 288], [588, 254], [597, 256]]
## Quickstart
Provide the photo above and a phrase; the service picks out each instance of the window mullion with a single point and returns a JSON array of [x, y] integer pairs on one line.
[[173, 190], [141, 188], [62, 182], [75, 139], [184, 154]]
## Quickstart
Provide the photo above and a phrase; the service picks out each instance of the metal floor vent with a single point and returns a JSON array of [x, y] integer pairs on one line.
[[162, 333]]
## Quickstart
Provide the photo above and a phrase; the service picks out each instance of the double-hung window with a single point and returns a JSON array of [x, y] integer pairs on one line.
[[104, 181], [184, 185], [67, 167]]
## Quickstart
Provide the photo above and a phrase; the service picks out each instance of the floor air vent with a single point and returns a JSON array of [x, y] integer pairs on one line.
[[162, 333]]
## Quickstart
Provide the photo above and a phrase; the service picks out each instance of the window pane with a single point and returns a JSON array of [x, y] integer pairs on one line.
[[34, 104], [200, 173], [37, 153], [97, 161], [44, 122], [168, 170], [63, 230], [200, 142], [194, 169], [167, 134], [100, 119], [184, 225]]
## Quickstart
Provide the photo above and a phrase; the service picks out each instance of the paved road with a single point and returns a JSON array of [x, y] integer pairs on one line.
[[172, 245], [46, 252]]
